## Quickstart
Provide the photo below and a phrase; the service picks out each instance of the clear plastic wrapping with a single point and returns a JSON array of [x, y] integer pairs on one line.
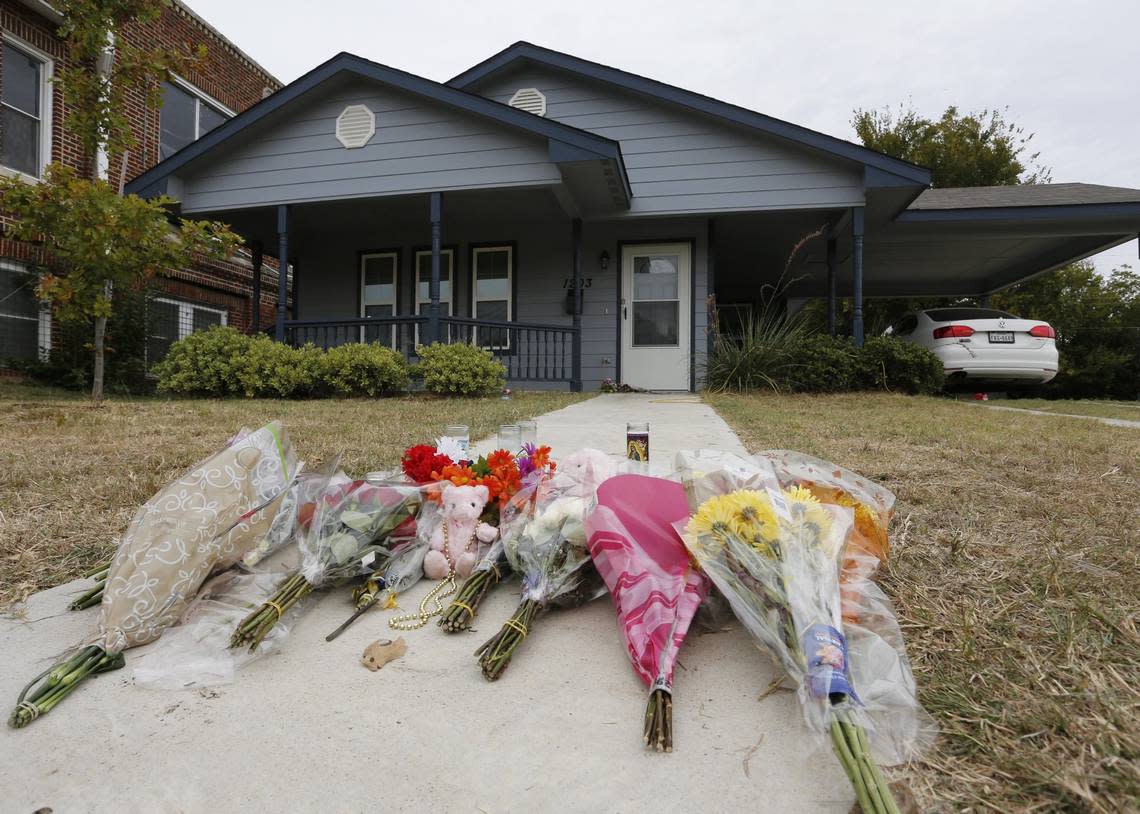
[[778, 551], [196, 653]]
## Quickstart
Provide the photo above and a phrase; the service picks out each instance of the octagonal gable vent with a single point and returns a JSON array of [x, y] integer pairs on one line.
[[532, 100], [355, 126]]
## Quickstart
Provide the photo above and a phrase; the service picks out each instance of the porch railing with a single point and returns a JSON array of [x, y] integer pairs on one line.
[[531, 352]]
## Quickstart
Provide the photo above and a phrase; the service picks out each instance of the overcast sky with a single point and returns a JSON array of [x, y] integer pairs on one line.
[[1069, 72]]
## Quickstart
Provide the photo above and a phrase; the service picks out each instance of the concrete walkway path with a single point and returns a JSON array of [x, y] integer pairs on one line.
[[1112, 422], [310, 729]]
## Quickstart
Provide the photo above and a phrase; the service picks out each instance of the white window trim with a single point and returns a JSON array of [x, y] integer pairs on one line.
[[364, 258], [45, 107], [475, 252], [43, 335], [450, 280]]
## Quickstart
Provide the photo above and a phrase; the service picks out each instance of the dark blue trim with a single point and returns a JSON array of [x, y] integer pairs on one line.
[[1089, 211], [587, 146], [905, 171]]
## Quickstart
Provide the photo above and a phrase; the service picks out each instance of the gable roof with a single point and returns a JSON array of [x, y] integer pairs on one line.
[[566, 143], [523, 51]]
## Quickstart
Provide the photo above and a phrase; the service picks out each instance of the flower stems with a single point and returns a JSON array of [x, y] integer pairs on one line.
[[56, 683], [495, 654], [257, 625], [461, 612], [658, 732], [849, 741], [93, 596]]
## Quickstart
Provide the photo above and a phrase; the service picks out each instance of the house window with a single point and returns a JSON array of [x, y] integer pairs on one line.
[[379, 275], [492, 272], [25, 325], [423, 280], [170, 320], [423, 287], [25, 110], [187, 115]]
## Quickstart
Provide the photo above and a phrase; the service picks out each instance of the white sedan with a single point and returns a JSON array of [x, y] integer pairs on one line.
[[981, 344]]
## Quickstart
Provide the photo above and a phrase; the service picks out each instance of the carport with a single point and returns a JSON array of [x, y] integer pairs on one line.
[[952, 242]]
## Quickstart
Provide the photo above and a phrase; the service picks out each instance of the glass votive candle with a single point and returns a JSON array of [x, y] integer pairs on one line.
[[461, 433], [637, 441], [510, 438], [528, 432]]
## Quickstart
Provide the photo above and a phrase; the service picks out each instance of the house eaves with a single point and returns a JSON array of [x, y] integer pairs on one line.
[[565, 143], [887, 170]]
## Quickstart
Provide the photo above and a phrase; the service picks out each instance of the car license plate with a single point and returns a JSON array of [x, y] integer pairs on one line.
[[1001, 337]]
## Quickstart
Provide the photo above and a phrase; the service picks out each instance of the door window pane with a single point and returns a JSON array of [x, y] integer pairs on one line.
[[22, 77], [177, 120], [656, 323], [655, 278]]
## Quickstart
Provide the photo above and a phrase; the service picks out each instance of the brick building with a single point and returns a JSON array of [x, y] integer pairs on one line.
[[33, 133]]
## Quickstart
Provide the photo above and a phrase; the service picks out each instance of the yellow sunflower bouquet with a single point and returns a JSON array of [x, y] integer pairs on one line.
[[775, 554]]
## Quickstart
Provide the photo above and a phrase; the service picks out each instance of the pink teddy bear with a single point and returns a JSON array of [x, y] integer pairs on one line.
[[461, 508]]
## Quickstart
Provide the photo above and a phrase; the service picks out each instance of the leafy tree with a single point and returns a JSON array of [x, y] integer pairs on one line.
[[961, 150], [95, 240], [1097, 321]]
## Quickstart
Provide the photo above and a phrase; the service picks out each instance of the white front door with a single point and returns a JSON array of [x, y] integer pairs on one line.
[[656, 310]]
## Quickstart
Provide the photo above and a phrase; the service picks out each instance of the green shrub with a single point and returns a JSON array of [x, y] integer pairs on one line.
[[822, 364], [892, 364], [205, 363], [271, 369], [460, 370], [760, 357], [359, 369]]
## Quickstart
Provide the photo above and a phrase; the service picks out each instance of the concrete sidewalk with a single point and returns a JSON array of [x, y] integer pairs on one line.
[[310, 729]]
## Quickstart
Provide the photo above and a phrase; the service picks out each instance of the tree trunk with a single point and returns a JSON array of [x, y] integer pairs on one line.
[[100, 332], [97, 383]]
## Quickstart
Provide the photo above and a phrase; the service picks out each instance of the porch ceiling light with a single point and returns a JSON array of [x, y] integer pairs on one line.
[[355, 126]]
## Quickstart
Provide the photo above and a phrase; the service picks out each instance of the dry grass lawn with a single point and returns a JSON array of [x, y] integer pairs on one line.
[[1128, 410], [72, 474], [1016, 574]]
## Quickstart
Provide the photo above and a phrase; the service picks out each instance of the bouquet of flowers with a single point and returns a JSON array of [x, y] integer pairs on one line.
[[534, 465], [774, 554], [351, 530], [204, 521], [655, 587], [868, 544], [270, 526], [545, 543]]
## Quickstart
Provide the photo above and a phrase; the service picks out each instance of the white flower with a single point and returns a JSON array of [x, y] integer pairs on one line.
[[451, 447]]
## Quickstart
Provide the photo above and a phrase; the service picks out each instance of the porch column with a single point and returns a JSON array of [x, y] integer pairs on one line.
[[282, 268], [256, 257], [576, 341], [435, 206], [831, 285], [713, 325], [857, 275]]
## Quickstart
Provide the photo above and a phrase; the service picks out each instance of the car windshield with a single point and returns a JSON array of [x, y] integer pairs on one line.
[[955, 314]]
